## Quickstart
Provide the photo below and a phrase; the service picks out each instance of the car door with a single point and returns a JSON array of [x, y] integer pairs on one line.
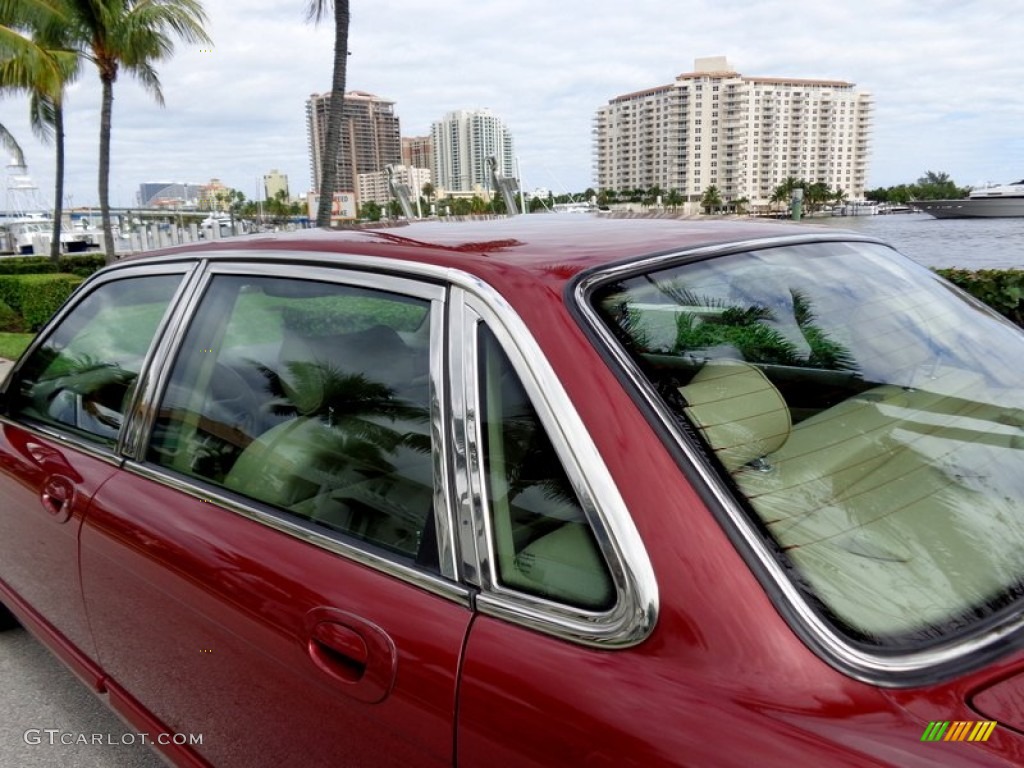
[[63, 408], [273, 573]]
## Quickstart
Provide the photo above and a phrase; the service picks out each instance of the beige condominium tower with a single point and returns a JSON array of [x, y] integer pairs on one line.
[[744, 135]]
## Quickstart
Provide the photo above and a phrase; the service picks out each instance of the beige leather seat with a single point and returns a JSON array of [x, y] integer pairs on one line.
[[738, 410]]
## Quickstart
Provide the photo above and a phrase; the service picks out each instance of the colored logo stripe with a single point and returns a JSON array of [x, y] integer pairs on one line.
[[959, 730]]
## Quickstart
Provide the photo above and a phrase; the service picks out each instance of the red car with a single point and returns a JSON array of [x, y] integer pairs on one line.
[[550, 491]]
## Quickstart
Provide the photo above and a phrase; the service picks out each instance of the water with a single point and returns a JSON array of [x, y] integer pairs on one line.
[[967, 243]]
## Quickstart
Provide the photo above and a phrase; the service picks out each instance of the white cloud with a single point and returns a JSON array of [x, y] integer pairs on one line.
[[945, 78]]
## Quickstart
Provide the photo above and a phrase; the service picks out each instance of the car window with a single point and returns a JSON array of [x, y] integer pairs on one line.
[[543, 543], [870, 418], [82, 376], [312, 397]]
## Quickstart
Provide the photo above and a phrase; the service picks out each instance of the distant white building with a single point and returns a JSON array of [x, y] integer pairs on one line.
[[274, 182], [744, 135], [169, 194], [462, 141], [374, 186]]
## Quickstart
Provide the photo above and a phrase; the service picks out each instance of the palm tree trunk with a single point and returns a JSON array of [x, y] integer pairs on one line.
[[332, 148], [104, 182], [58, 193]]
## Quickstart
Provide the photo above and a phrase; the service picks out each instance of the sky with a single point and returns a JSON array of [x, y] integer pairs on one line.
[[947, 78]]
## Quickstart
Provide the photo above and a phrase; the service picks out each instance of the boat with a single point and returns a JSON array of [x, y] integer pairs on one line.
[[995, 202], [26, 226], [857, 208]]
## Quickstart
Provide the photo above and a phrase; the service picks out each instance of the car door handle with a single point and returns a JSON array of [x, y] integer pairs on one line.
[[340, 649], [353, 652], [56, 497]]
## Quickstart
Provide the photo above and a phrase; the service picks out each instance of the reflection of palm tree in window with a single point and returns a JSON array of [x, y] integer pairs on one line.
[[358, 410], [748, 329], [825, 351], [82, 391], [350, 455]]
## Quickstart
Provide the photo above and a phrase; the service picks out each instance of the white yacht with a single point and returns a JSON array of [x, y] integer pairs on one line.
[[1001, 201]]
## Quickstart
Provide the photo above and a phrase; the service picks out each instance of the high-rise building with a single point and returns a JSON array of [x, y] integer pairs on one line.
[[370, 136], [744, 135], [463, 140], [418, 151], [275, 182]]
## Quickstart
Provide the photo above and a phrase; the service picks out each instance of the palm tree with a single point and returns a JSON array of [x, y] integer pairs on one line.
[[43, 66], [712, 199], [25, 64], [130, 35], [316, 10]]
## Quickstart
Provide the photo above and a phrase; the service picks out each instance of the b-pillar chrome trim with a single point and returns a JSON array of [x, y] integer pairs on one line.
[[634, 612]]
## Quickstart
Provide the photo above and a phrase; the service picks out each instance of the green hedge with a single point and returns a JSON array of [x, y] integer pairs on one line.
[[83, 265], [36, 297], [10, 321], [1001, 289]]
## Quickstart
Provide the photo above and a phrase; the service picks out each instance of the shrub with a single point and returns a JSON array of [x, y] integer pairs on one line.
[[10, 321], [36, 297], [82, 264], [1001, 289], [27, 265]]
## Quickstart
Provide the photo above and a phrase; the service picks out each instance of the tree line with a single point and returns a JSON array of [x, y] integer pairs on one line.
[[933, 185]]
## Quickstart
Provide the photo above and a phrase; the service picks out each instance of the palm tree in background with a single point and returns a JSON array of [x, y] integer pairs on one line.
[[711, 200], [316, 11], [25, 64], [49, 31], [131, 35]]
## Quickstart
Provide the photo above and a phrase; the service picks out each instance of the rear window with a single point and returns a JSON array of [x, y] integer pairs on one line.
[[869, 416]]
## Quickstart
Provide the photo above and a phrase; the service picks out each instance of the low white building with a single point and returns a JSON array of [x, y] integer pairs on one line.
[[374, 186]]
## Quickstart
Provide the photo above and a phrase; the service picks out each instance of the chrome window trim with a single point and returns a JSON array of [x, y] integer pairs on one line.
[[105, 454], [632, 617], [889, 670], [170, 347], [281, 521], [444, 506], [142, 411]]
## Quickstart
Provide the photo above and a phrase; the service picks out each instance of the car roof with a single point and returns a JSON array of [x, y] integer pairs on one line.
[[548, 246]]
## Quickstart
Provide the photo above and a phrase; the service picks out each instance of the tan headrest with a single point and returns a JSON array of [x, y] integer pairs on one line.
[[739, 412]]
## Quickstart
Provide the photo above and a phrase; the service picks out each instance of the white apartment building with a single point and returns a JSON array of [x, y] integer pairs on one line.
[[374, 186], [462, 142], [744, 135]]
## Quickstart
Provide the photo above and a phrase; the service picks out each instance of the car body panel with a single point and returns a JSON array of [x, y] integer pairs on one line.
[[226, 608], [205, 611], [43, 512]]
